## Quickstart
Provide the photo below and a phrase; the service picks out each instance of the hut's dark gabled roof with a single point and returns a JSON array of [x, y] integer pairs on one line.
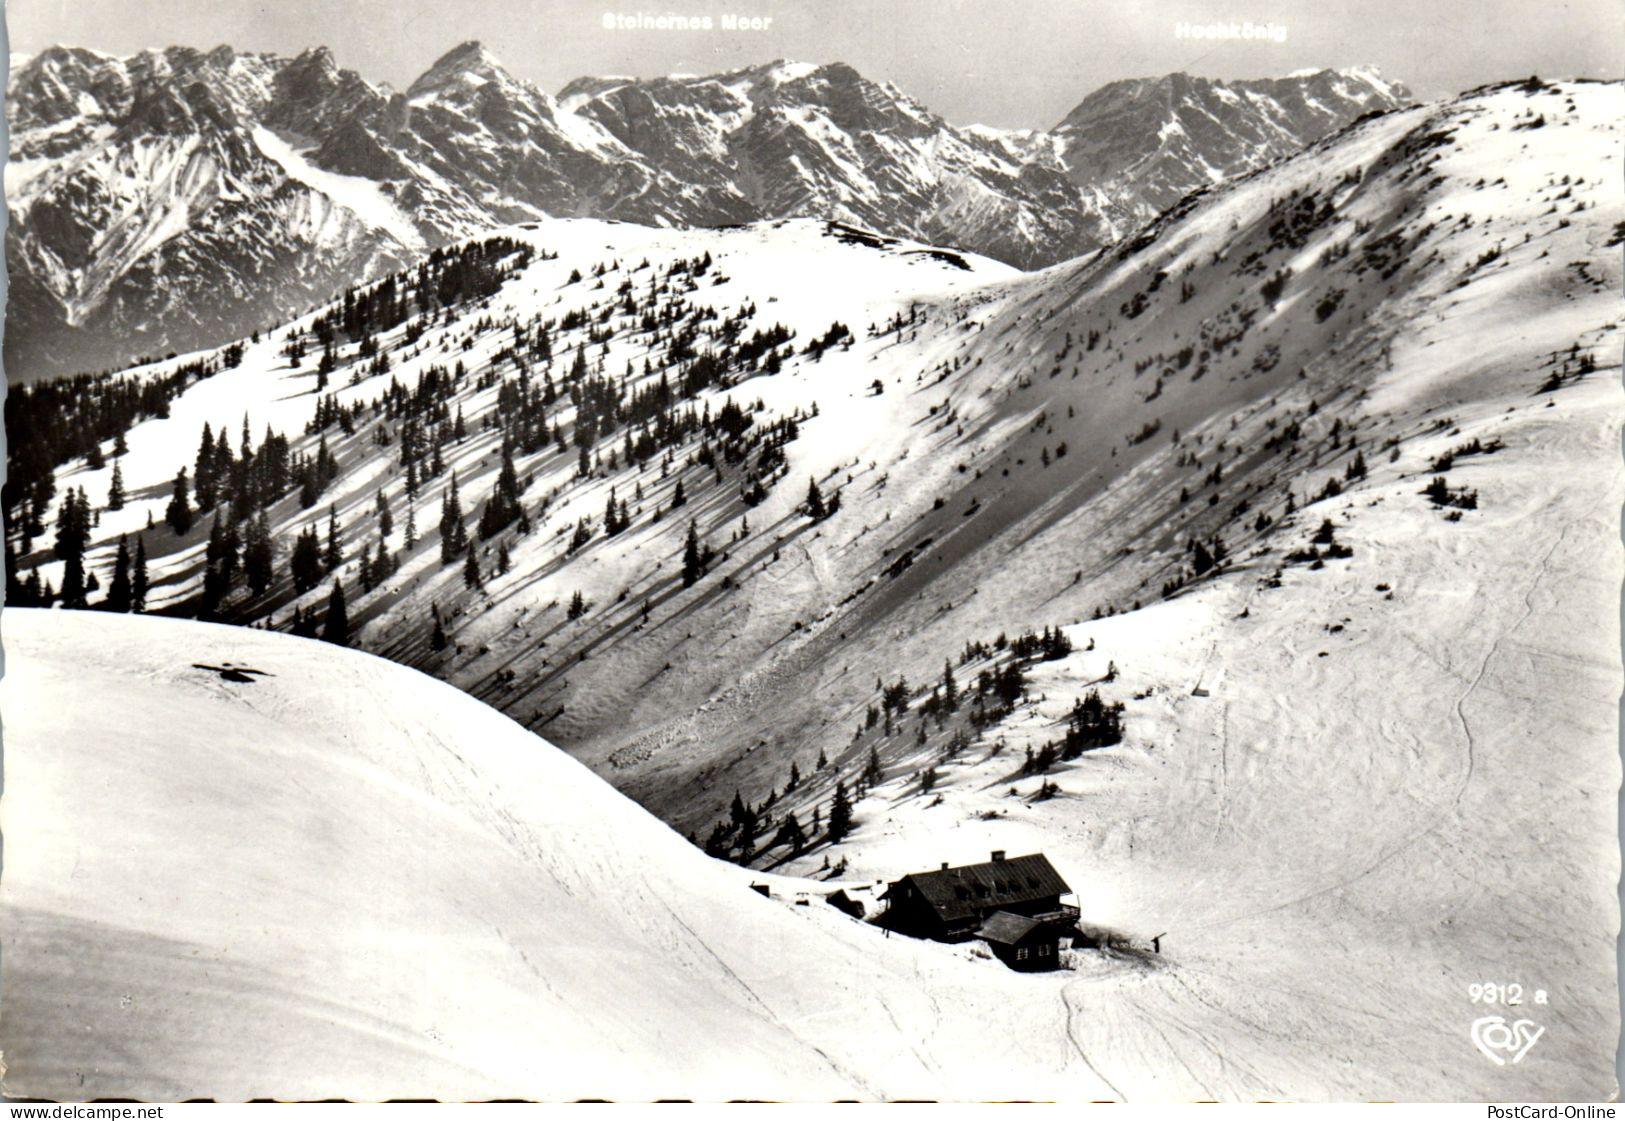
[[957, 893], [1007, 929]]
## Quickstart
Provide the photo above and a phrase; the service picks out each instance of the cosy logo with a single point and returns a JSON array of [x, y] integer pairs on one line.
[[1498, 1039]]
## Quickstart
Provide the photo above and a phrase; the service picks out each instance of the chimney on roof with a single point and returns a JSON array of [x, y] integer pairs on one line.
[[944, 865], [998, 855]]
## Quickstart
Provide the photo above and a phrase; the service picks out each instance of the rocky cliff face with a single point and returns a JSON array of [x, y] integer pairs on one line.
[[1147, 143]]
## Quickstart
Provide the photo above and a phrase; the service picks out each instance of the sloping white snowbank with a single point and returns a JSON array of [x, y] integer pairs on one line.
[[335, 876]]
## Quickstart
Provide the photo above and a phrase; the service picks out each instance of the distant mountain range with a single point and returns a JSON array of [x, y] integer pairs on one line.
[[176, 198]]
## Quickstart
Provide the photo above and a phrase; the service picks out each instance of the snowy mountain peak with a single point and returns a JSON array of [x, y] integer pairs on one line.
[[1155, 139], [467, 65], [318, 59], [785, 70]]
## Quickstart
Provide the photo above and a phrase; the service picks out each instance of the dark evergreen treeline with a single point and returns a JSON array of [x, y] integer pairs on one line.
[[51, 423], [447, 277]]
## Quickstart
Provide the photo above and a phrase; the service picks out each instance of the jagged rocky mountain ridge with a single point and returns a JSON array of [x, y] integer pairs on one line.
[[178, 198]]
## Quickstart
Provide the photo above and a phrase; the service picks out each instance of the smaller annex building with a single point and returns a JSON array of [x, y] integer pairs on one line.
[[1022, 943]]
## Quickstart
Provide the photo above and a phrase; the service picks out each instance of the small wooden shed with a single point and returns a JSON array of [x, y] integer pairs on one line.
[[1021, 941]]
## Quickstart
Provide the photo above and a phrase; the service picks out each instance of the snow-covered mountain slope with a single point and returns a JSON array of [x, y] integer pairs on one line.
[[1361, 724], [1364, 771], [1042, 447], [263, 866], [177, 199]]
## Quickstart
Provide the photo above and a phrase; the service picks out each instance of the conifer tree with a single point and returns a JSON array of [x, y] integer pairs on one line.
[[119, 594], [221, 564], [840, 815], [334, 555], [471, 571], [72, 535], [872, 774], [791, 835], [257, 554], [305, 563], [179, 512], [815, 501], [1201, 559], [693, 562], [204, 473], [138, 579], [115, 492], [336, 626], [453, 535], [386, 520], [437, 639]]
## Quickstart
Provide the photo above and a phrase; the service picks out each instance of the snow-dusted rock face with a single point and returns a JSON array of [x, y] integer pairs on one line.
[[1147, 143], [178, 198], [147, 214]]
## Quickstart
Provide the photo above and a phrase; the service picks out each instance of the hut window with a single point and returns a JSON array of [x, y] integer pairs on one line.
[[1021, 954]]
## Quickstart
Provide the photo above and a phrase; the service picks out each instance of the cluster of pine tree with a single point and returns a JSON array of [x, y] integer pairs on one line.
[[51, 423], [448, 277], [1050, 645], [73, 526], [1092, 724], [502, 509], [332, 626], [453, 533], [252, 478]]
